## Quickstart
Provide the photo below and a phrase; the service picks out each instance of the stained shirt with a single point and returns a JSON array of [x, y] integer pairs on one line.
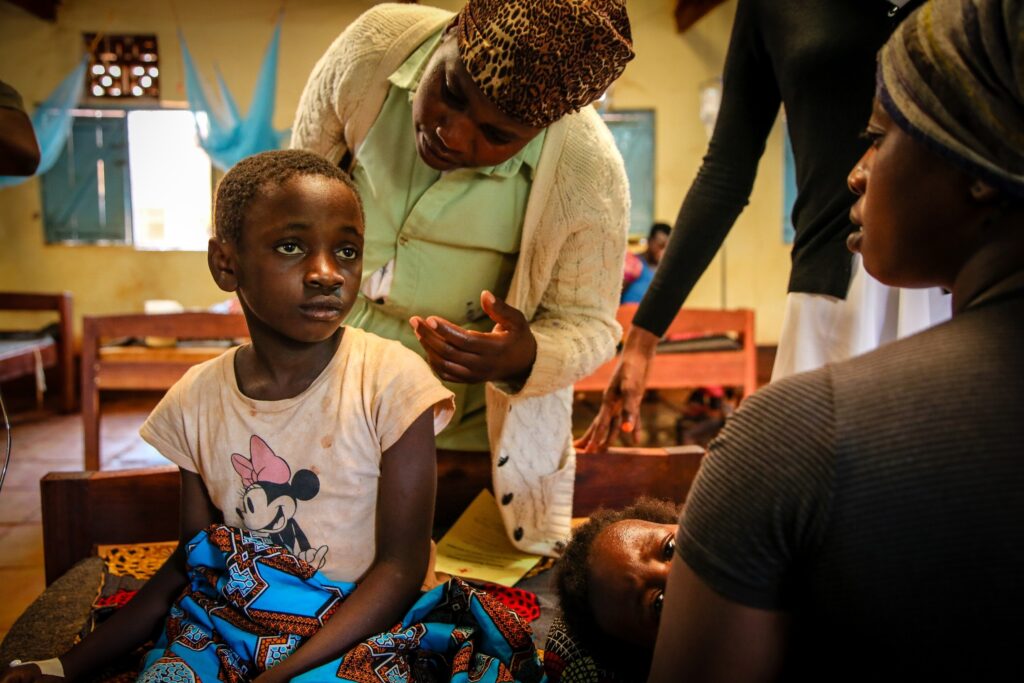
[[435, 240]]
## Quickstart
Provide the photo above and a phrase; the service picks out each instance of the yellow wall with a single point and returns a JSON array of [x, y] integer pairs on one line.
[[665, 76]]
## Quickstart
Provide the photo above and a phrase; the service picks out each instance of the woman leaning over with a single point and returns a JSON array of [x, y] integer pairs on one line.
[[496, 212]]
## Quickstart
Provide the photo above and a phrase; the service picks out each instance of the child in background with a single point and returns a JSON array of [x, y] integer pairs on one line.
[[315, 437], [639, 268]]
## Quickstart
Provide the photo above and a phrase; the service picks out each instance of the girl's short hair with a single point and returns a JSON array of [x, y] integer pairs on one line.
[[250, 176]]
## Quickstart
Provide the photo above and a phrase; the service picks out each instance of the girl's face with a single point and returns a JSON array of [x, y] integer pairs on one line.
[[629, 563], [915, 211], [298, 261], [456, 125]]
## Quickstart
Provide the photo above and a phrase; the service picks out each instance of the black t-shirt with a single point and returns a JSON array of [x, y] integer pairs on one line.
[[817, 58], [880, 502]]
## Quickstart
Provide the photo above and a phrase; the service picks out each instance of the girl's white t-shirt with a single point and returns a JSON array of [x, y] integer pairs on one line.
[[303, 471]]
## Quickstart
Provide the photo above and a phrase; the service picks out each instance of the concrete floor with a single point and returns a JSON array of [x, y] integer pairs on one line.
[[50, 444]]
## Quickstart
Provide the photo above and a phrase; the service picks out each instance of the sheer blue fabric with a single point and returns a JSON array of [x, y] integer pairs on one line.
[[228, 137], [52, 122]]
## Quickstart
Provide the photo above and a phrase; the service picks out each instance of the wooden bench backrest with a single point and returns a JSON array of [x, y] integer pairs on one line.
[[689, 370], [144, 369], [84, 509], [195, 325]]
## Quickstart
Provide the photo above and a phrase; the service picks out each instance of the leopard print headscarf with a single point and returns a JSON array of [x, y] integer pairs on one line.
[[538, 60]]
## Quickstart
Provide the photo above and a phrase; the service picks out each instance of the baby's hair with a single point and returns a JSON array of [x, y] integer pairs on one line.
[[251, 175], [572, 580]]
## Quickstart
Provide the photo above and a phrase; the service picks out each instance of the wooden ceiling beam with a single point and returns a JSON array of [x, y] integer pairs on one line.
[[44, 9], [689, 11]]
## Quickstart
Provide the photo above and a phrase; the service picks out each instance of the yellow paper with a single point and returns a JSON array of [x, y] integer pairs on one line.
[[476, 546]]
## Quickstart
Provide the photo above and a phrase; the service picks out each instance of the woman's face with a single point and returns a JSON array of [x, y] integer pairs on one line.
[[629, 563], [456, 125], [917, 216]]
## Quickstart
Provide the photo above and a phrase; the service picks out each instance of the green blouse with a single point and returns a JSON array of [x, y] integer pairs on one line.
[[435, 240]]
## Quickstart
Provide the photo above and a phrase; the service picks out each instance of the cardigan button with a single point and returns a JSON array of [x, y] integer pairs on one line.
[[506, 499], [502, 460], [518, 533]]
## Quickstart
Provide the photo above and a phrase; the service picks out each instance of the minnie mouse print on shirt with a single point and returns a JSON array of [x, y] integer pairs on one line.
[[271, 498]]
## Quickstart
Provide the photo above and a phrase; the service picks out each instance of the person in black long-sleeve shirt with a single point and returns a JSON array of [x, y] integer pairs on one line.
[[818, 60]]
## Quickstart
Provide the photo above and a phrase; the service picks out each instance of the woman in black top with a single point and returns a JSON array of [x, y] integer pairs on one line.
[[818, 60]]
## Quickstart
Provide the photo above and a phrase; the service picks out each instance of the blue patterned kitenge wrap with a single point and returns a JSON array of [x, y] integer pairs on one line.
[[250, 604]]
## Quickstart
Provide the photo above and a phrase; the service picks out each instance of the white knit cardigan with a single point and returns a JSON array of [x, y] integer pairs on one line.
[[567, 279]]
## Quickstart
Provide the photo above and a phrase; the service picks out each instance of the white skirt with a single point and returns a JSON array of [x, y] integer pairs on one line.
[[819, 329]]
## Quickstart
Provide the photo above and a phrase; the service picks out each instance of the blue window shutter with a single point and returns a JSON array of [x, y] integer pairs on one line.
[[86, 195], [633, 131]]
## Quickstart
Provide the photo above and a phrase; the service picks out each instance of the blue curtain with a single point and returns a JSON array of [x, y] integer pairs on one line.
[[52, 122], [230, 137]]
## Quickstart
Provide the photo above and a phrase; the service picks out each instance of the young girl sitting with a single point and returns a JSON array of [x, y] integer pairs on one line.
[[316, 438]]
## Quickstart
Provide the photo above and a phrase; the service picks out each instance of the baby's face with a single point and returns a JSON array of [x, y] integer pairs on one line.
[[629, 563], [300, 258]]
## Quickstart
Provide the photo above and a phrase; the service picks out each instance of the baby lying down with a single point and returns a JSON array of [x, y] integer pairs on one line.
[[611, 583]]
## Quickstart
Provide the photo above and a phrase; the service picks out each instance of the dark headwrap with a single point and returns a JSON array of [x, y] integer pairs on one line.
[[538, 60], [953, 77]]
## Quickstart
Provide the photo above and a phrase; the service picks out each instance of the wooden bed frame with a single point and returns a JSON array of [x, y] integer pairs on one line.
[[57, 354], [84, 509], [141, 367]]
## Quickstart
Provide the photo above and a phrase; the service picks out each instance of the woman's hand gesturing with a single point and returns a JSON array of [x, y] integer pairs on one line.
[[456, 354]]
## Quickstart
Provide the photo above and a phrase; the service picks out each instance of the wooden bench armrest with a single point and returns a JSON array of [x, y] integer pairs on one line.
[[84, 509]]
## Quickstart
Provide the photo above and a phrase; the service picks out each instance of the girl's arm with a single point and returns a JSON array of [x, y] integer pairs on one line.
[[405, 515], [144, 615], [130, 626]]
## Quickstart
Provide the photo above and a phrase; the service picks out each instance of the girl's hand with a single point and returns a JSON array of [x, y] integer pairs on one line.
[[27, 673], [620, 406], [456, 354], [271, 676]]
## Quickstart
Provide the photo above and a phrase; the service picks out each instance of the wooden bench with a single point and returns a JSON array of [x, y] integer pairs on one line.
[[24, 354], [140, 367], [84, 509], [685, 369]]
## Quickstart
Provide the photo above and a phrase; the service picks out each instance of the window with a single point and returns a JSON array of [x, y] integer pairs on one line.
[[123, 66], [170, 178], [85, 194], [634, 136], [130, 177]]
